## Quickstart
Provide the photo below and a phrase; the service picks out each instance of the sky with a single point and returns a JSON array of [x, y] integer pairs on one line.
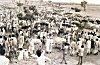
[[77, 1], [68, 1]]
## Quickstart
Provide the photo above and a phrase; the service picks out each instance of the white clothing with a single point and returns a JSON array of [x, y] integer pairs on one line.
[[20, 56], [49, 43], [88, 44], [4, 60], [41, 60], [79, 44], [26, 55], [21, 41], [1, 40], [81, 51]]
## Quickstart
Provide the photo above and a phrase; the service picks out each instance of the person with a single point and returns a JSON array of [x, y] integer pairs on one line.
[[81, 53], [21, 41], [3, 59], [88, 46], [48, 45], [79, 44], [21, 54], [26, 55], [92, 46], [40, 57], [1, 40], [73, 47], [96, 47]]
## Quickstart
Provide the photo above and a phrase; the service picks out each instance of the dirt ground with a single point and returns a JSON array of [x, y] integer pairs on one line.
[[56, 55], [91, 10], [56, 59]]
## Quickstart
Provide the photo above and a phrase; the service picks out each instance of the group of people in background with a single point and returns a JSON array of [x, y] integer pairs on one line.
[[23, 39]]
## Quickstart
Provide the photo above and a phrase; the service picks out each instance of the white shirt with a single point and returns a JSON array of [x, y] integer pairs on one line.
[[41, 60], [1, 40], [21, 38], [73, 44], [88, 44], [20, 56], [4, 60], [79, 44], [81, 53]]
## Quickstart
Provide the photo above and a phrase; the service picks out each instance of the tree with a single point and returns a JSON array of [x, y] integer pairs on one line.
[[83, 4]]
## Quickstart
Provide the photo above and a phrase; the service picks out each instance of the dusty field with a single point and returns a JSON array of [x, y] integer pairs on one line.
[[56, 55], [91, 10], [56, 58]]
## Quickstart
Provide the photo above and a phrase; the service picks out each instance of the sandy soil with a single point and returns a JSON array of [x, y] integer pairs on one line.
[[56, 56], [91, 10]]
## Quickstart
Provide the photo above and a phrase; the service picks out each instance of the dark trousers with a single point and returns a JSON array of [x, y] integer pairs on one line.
[[80, 60]]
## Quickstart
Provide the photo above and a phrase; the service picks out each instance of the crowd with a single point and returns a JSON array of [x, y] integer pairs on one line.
[[31, 33]]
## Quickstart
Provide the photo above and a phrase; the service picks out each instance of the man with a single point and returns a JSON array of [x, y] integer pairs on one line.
[[88, 46], [3, 59], [40, 57], [48, 45], [21, 53], [21, 41], [96, 47], [1, 40], [73, 47], [79, 44], [26, 55], [92, 45], [81, 53]]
